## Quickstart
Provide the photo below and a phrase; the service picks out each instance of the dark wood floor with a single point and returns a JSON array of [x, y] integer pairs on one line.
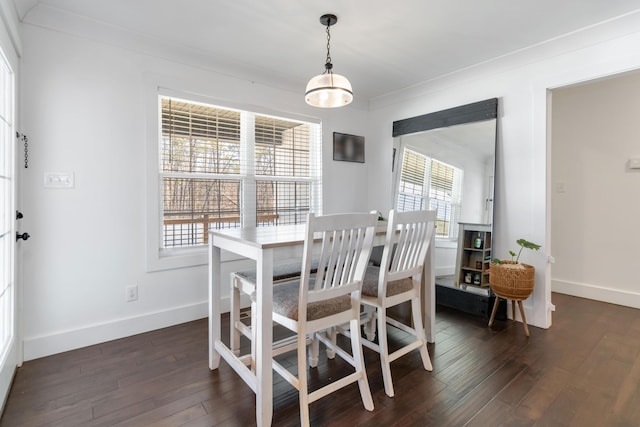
[[584, 371]]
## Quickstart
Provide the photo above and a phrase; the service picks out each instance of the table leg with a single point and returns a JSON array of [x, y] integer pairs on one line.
[[214, 303], [264, 338]]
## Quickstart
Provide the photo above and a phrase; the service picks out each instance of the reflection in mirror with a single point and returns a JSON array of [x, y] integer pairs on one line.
[[449, 167], [461, 160]]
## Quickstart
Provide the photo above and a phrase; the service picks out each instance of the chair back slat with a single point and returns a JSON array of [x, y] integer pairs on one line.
[[411, 241], [339, 243], [349, 253], [345, 246], [410, 233]]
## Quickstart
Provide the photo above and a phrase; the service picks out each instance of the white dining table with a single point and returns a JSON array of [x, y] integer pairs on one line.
[[268, 245]]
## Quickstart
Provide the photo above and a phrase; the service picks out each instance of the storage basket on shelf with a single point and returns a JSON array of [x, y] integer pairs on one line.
[[512, 280]]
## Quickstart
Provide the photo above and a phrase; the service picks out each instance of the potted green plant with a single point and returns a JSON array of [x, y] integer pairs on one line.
[[513, 279]]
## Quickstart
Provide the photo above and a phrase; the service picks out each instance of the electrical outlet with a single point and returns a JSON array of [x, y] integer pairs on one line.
[[132, 293]]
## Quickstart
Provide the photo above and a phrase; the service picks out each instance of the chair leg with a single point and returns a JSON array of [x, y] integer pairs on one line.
[[332, 334], [234, 338], [315, 350], [524, 319], [417, 325], [513, 309], [384, 351], [370, 324], [358, 358], [303, 391], [494, 311]]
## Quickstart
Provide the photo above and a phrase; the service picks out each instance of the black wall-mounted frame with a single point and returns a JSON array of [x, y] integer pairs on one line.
[[455, 298], [348, 148], [474, 112]]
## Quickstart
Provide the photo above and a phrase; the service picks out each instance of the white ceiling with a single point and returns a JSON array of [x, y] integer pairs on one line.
[[381, 46]]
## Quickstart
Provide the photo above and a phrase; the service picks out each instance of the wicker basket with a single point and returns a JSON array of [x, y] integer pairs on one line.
[[508, 281]]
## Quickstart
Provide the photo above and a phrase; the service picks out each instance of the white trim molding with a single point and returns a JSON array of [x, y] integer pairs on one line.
[[58, 342], [595, 292]]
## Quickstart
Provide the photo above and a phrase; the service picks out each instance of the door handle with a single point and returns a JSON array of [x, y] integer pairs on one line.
[[23, 236], [19, 215]]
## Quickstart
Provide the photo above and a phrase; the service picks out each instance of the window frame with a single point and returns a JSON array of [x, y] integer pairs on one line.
[[159, 258]]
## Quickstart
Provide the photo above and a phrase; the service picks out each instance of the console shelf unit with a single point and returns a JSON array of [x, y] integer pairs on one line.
[[474, 255]]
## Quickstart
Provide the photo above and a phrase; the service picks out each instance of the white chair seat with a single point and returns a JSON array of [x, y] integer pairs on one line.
[[244, 282], [370, 285], [287, 295]]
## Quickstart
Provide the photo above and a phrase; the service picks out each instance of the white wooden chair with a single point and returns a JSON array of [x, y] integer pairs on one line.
[[244, 282], [396, 280], [325, 299]]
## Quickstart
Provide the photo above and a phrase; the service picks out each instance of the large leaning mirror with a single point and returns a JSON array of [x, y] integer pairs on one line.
[[446, 160]]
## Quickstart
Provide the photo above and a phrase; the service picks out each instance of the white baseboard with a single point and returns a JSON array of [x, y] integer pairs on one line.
[[46, 345], [599, 293]]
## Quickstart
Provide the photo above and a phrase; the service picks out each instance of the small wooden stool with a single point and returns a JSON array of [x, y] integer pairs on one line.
[[513, 282], [513, 311]]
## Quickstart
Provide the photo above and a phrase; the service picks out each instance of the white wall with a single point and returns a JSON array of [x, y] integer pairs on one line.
[[84, 110], [595, 196], [520, 81]]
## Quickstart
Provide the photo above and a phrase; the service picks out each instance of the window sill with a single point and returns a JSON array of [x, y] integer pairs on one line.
[[170, 259]]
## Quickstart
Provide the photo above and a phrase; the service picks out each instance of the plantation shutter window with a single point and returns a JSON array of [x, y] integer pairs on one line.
[[428, 182], [411, 195], [283, 172], [223, 168]]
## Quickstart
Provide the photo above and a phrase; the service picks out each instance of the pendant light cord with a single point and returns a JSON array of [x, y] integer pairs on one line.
[[328, 65]]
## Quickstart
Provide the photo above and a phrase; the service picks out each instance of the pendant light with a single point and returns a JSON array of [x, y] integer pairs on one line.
[[328, 90]]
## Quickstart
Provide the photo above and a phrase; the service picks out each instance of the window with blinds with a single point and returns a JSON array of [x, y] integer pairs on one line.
[[428, 182], [282, 157], [411, 195], [213, 158]]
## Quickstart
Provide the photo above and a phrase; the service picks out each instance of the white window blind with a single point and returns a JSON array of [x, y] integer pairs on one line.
[[222, 168], [282, 158], [428, 182], [411, 194]]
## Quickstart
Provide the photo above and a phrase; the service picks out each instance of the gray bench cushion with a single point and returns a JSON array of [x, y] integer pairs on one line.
[[370, 285], [280, 272], [285, 303]]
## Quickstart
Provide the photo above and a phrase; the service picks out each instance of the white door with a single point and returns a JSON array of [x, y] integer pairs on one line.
[[9, 355]]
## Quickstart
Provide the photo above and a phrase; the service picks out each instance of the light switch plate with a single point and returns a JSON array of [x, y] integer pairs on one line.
[[59, 180]]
